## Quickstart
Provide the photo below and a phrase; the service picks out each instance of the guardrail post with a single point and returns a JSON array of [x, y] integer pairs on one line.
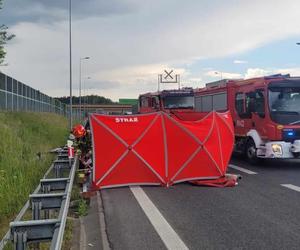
[[36, 215], [20, 240], [36, 210], [57, 170], [46, 189]]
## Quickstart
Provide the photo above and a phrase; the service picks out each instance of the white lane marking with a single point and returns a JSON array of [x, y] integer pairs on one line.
[[247, 171], [291, 186], [160, 224]]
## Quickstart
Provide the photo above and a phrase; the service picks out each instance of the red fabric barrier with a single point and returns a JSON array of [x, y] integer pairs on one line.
[[157, 149], [229, 180]]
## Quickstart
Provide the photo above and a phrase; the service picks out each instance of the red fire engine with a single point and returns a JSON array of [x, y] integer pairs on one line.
[[265, 110], [167, 100]]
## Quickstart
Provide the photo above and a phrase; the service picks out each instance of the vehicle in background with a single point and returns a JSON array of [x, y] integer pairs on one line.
[[167, 100], [265, 111]]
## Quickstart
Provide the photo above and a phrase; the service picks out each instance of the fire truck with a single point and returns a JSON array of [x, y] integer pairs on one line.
[[265, 111], [167, 101]]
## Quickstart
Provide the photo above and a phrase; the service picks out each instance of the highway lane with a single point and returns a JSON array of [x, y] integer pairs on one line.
[[257, 214], [127, 225], [274, 170]]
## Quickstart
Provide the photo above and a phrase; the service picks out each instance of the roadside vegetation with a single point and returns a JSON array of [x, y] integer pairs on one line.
[[4, 38], [89, 99], [25, 140]]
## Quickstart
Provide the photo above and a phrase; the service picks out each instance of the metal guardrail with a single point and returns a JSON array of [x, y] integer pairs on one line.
[[45, 198]]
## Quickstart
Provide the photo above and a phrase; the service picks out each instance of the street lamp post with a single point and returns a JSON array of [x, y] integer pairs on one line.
[[219, 73], [84, 93], [80, 68], [70, 51]]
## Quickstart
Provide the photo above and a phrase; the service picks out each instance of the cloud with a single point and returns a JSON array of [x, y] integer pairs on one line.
[[253, 73], [45, 11], [257, 72], [291, 71], [134, 80], [132, 41], [103, 85], [239, 62], [195, 79], [224, 75]]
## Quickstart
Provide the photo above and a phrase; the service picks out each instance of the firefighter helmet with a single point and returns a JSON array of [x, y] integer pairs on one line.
[[78, 131]]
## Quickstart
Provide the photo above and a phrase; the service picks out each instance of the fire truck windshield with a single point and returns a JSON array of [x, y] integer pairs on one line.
[[284, 105], [178, 102]]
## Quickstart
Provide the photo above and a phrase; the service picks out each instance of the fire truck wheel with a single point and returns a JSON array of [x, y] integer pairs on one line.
[[251, 152], [296, 155]]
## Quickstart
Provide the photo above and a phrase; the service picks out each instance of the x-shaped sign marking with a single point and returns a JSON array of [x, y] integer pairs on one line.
[[168, 74]]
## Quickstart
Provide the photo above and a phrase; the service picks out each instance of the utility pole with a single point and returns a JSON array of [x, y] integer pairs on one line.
[[80, 80], [70, 47]]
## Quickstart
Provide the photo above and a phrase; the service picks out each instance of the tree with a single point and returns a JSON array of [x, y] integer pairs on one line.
[[4, 38], [91, 99]]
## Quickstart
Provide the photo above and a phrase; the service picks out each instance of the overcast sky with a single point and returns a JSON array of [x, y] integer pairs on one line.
[[130, 42]]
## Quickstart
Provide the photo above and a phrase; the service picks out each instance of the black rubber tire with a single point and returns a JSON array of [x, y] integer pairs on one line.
[[296, 155], [250, 152]]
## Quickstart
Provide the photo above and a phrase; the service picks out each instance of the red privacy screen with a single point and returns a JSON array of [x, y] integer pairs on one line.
[[159, 149]]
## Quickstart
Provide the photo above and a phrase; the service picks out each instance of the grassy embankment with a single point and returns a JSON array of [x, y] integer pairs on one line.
[[22, 136]]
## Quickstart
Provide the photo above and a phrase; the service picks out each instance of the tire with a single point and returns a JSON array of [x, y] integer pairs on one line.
[[250, 152], [296, 155]]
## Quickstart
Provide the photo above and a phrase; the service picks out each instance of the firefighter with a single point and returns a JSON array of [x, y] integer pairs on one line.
[[86, 160]]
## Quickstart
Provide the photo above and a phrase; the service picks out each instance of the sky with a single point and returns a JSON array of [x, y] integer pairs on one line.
[[130, 42]]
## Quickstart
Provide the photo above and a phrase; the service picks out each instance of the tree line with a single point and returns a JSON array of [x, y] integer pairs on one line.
[[90, 99]]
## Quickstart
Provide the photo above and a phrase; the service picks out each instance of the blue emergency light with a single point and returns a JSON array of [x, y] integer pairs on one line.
[[289, 132]]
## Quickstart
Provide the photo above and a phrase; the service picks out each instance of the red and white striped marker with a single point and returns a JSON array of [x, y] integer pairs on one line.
[[70, 152]]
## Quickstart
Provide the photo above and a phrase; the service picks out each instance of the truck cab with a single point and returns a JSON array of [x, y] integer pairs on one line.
[[167, 101], [266, 114]]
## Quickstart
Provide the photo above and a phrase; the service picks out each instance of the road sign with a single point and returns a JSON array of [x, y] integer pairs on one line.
[[168, 77]]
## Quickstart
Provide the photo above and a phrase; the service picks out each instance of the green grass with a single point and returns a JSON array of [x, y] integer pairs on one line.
[[68, 235], [22, 136], [82, 208]]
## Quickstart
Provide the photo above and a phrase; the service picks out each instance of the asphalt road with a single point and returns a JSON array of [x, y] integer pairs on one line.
[[259, 213]]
